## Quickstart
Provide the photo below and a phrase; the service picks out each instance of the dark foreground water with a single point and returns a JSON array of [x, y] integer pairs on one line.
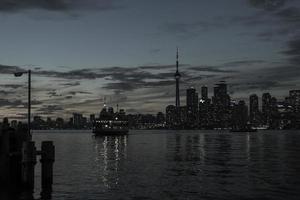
[[181, 165]]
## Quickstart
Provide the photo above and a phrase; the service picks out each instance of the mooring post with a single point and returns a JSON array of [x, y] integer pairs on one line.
[[47, 160], [4, 157], [28, 163]]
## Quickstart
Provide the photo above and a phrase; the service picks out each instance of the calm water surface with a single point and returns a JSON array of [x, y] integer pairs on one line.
[[175, 165]]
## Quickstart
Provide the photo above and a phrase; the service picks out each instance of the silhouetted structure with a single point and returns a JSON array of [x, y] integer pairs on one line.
[[192, 108], [170, 116], [240, 116], [254, 110], [177, 100], [18, 156], [204, 92], [221, 102], [266, 108]]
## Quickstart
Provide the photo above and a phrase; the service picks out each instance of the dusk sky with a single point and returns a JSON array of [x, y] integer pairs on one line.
[[81, 51]]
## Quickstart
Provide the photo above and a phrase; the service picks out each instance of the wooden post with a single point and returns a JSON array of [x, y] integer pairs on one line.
[[4, 157], [47, 160], [28, 163]]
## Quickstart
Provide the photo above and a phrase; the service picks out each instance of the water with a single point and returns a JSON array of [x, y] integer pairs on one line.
[[175, 165]]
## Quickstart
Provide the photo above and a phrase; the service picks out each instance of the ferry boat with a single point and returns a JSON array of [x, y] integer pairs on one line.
[[110, 123], [246, 128]]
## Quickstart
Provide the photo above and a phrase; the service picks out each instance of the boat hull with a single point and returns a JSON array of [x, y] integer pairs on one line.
[[243, 130], [110, 132]]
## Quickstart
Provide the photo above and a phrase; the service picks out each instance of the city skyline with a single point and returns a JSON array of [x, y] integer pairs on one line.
[[77, 58]]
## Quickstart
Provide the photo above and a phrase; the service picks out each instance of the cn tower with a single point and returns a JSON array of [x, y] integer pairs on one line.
[[177, 78]]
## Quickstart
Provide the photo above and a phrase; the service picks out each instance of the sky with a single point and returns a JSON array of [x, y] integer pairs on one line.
[[85, 52]]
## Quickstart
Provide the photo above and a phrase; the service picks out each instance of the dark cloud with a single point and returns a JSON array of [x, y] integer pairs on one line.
[[68, 97], [293, 47], [269, 5], [49, 109], [241, 63], [11, 103], [290, 14], [157, 67], [192, 29], [277, 19], [57, 5], [211, 69], [4, 92], [78, 92], [70, 84], [53, 94], [293, 51], [155, 51], [13, 86], [6, 69], [17, 103], [274, 33], [261, 85], [122, 86]]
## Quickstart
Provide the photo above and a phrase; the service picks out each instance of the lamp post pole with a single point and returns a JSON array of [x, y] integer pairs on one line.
[[29, 102], [18, 74]]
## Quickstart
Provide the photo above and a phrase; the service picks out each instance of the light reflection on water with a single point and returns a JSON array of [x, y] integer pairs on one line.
[[176, 165], [110, 151]]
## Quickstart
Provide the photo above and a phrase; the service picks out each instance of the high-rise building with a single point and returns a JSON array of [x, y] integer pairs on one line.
[[266, 108], [160, 118], [221, 102], [77, 120], [192, 107], [170, 116], [205, 113], [92, 118], [274, 118], [295, 100], [204, 92], [59, 123], [254, 110], [240, 115]]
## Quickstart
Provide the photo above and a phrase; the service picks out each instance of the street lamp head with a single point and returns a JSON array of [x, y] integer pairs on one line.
[[18, 74]]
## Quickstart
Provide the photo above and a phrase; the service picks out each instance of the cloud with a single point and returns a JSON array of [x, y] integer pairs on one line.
[[49, 109], [4, 92], [70, 84], [78, 92], [53, 94], [159, 67], [57, 5], [293, 51], [290, 14], [16, 103], [6, 69], [256, 85], [12, 86], [188, 30], [212, 69], [155, 51], [269, 5], [293, 47], [240, 63]]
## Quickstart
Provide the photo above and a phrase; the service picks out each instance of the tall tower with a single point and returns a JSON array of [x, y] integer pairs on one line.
[[177, 78]]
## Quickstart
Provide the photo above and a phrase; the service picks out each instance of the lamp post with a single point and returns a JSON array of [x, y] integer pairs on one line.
[[18, 74]]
